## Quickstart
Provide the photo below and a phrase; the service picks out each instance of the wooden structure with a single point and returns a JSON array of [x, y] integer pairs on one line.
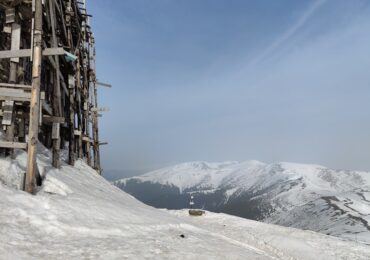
[[48, 85]]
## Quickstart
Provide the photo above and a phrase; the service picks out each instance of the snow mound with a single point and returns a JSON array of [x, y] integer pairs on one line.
[[77, 214]]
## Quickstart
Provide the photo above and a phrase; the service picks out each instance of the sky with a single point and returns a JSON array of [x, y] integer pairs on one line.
[[221, 80]]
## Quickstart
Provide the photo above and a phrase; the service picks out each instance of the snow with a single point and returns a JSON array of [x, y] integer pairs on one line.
[[285, 243], [249, 173], [339, 199], [195, 174], [77, 214]]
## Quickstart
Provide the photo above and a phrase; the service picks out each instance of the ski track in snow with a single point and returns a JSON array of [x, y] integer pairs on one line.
[[77, 214]]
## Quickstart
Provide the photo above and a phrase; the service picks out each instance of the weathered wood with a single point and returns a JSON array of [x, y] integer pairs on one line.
[[13, 78], [35, 106], [8, 109], [71, 85], [86, 139], [16, 40], [25, 53], [77, 132], [47, 108], [14, 94], [13, 85], [13, 145], [57, 105], [65, 95], [55, 133], [103, 84], [53, 119], [99, 109], [79, 112], [22, 129], [10, 15]]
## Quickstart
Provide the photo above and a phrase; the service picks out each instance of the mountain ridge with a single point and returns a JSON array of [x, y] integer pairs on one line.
[[281, 193]]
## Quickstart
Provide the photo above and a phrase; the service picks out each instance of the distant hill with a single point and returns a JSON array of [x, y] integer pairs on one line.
[[335, 202]]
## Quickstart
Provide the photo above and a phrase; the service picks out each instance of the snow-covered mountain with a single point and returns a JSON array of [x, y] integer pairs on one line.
[[76, 214], [335, 202]]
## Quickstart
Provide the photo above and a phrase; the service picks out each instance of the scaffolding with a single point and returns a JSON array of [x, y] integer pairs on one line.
[[48, 85]]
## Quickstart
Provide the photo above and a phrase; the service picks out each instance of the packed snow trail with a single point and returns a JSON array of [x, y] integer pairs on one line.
[[77, 214]]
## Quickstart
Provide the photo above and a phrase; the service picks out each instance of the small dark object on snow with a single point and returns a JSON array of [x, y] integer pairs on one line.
[[182, 235], [196, 212]]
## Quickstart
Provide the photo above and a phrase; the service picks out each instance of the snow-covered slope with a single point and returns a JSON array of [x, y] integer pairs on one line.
[[76, 214], [335, 202]]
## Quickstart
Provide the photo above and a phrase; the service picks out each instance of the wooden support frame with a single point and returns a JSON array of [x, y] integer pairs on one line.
[[60, 105]]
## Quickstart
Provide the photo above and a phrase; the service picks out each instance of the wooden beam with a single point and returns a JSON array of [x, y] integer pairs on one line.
[[12, 85], [53, 119], [47, 108], [53, 51], [103, 84], [24, 53], [14, 94], [99, 109], [13, 145]]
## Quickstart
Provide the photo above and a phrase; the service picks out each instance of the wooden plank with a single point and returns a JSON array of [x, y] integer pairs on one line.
[[86, 139], [53, 51], [46, 107], [53, 119], [24, 53], [14, 94], [15, 54], [55, 134], [71, 81], [10, 15], [13, 145], [8, 108], [99, 109], [16, 40], [11, 85], [103, 84]]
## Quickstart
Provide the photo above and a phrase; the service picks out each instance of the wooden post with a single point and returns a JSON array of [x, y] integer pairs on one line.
[[35, 99], [96, 135], [57, 107], [79, 106], [86, 91], [95, 120], [71, 83], [15, 45], [87, 133]]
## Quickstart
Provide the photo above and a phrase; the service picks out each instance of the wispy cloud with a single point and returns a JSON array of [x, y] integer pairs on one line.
[[306, 15]]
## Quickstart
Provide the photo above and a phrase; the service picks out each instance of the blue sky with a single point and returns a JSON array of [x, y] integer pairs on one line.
[[220, 80]]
